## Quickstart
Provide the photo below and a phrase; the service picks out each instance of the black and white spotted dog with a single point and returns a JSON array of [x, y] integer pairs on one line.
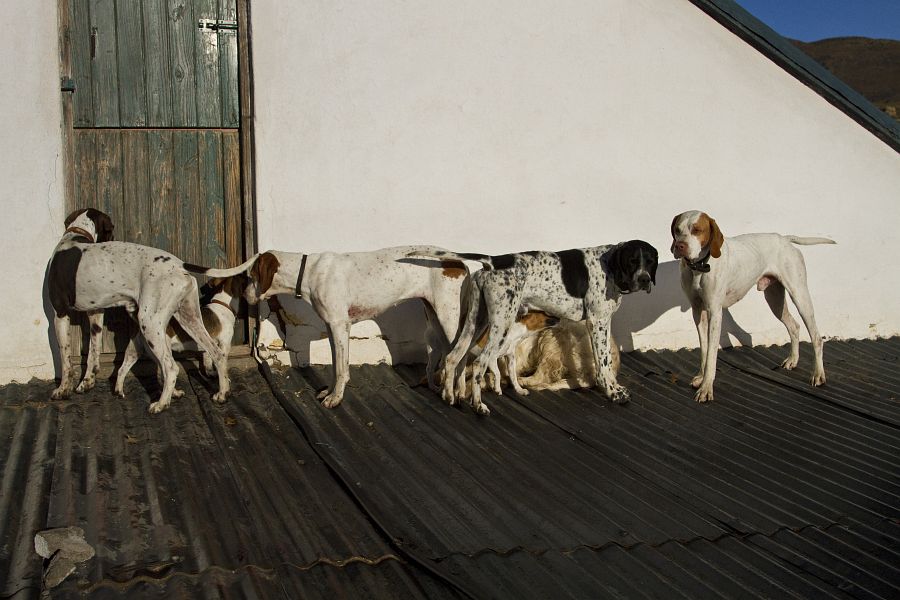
[[580, 284]]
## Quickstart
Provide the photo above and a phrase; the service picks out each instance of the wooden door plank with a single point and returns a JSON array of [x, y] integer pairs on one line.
[[85, 169], [163, 215], [231, 172], [110, 199], [158, 63], [187, 195], [212, 195], [109, 176], [209, 112], [85, 174], [80, 43], [228, 66], [182, 31], [104, 67], [136, 187], [234, 241], [132, 72]]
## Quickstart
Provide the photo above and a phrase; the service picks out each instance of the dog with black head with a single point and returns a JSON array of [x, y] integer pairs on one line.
[[584, 284]]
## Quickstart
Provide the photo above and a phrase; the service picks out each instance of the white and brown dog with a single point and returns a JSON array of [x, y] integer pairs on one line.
[[526, 327], [88, 272], [560, 358], [218, 312], [717, 271], [345, 288]]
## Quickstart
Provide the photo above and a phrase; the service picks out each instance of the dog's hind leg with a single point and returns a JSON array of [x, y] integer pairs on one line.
[[776, 299], [128, 361], [61, 326], [190, 318], [89, 380], [461, 348], [800, 295]]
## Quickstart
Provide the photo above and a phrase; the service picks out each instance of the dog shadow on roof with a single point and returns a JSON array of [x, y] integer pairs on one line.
[[640, 310]]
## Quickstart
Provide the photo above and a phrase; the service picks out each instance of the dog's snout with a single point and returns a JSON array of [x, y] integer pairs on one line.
[[551, 321]]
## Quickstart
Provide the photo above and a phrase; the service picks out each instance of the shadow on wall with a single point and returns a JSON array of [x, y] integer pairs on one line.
[[400, 331], [639, 311]]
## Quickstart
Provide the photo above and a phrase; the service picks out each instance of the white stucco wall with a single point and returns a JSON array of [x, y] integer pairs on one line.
[[32, 191], [502, 126]]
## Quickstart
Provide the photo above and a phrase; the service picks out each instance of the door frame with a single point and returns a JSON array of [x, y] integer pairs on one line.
[[245, 135]]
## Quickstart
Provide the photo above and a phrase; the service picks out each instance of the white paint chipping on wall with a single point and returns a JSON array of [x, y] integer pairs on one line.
[[32, 190], [504, 126]]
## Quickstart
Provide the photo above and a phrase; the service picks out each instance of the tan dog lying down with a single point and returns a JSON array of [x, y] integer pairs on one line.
[[560, 358]]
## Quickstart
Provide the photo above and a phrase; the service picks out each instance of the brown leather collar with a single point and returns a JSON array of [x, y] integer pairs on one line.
[[226, 305], [81, 232]]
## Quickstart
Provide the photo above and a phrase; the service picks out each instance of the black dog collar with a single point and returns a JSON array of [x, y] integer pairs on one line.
[[701, 265], [297, 292]]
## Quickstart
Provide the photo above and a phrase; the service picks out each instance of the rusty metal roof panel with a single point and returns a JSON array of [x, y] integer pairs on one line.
[[775, 489]]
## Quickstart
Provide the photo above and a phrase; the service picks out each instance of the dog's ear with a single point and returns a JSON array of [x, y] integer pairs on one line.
[[654, 262], [263, 271], [105, 228], [73, 216], [716, 239]]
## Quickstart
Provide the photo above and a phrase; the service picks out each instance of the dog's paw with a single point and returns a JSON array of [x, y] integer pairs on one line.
[[331, 400], [61, 393], [696, 381], [790, 363], [158, 406], [482, 409], [619, 394], [522, 392], [449, 397], [177, 393], [119, 391], [818, 379], [220, 397], [704, 394], [86, 385]]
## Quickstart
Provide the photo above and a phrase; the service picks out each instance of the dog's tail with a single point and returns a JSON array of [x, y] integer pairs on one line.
[[221, 272], [808, 241], [441, 254]]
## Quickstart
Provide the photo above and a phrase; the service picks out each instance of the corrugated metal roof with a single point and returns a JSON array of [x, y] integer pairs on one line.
[[775, 489]]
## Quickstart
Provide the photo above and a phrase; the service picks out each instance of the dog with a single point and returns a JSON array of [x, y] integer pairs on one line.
[[218, 312], [345, 288], [560, 358], [89, 272], [526, 327], [580, 284], [717, 271]]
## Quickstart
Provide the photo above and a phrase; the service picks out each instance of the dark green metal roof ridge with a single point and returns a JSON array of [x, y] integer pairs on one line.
[[796, 62]]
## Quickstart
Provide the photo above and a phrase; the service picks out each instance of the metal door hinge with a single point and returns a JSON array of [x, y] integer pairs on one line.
[[217, 25]]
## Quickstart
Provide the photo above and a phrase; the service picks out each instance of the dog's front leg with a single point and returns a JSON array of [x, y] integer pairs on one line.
[[61, 325], [714, 326], [701, 321], [606, 377], [89, 380], [340, 359]]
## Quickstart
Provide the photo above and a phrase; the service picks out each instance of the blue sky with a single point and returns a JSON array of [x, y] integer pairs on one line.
[[811, 20]]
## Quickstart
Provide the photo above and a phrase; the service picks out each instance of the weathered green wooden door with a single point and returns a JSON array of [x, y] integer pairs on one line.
[[155, 121]]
